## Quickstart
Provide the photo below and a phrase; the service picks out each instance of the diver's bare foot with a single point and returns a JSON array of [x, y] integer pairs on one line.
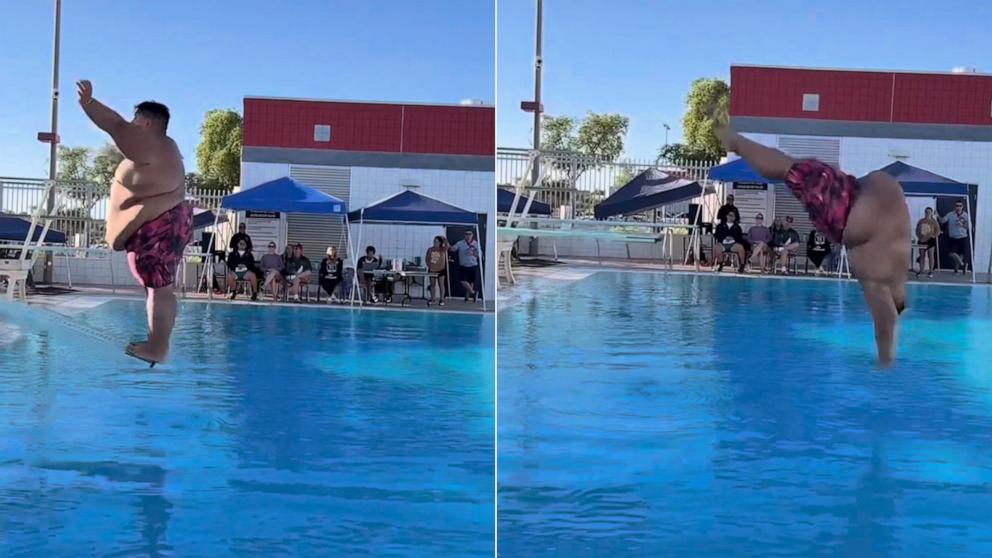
[[144, 351]]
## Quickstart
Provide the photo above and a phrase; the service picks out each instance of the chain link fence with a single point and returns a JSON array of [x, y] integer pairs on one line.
[[81, 206]]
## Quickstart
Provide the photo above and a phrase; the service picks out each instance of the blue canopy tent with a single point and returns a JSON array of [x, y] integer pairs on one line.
[[504, 202], [648, 190], [285, 195], [920, 182], [411, 208], [737, 170], [16, 229]]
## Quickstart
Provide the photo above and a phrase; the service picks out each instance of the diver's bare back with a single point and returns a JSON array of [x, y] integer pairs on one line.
[[879, 225], [143, 190]]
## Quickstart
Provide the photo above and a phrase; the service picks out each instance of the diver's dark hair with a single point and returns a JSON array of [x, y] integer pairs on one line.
[[155, 111]]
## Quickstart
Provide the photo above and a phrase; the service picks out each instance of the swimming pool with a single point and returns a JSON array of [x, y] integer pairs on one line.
[[274, 431], [678, 415]]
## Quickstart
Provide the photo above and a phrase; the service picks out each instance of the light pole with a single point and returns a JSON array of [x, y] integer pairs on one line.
[[53, 151], [667, 128], [538, 63]]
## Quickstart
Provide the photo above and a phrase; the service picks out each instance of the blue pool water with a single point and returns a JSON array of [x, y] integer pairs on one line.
[[678, 415], [273, 432]]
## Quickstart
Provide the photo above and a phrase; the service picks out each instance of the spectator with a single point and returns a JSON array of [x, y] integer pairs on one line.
[[272, 269], [927, 231], [298, 271], [330, 273], [240, 264], [817, 250], [958, 229], [785, 242], [437, 262], [468, 264], [721, 214], [366, 266], [239, 236], [760, 237], [730, 238]]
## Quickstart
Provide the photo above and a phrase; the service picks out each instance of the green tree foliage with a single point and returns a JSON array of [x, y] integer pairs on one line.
[[600, 136], [679, 152], [104, 166], [73, 163], [707, 103], [218, 156]]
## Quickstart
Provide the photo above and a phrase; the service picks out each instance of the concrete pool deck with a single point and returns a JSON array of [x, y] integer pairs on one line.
[[80, 299]]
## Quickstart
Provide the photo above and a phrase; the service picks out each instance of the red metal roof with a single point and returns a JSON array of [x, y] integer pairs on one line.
[[371, 126], [862, 95]]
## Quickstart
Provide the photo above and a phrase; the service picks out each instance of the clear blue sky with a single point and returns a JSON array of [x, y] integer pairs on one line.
[[195, 56], [638, 57]]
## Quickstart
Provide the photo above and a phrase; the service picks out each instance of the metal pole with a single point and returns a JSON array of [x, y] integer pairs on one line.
[[538, 63], [53, 151]]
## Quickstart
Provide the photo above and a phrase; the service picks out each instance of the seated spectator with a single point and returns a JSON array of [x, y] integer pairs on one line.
[[729, 238], [240, 264], [437, 262], [785, 242], [817, 250], [330, 273], [760, 237], [366, 266], [272, 269], [298, 271]]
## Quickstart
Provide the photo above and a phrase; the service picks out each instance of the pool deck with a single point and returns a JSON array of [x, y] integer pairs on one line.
[[79, 299], [537, 275]]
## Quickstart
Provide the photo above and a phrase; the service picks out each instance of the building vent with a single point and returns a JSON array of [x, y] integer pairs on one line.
[[811, 102], [321, 132]]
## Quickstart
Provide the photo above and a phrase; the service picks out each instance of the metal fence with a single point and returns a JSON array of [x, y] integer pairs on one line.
[[82, 206], [579, 181]]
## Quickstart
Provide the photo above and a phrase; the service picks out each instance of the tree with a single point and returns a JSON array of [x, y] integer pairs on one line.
[[73, 163], [218, 156], [599, 140], [707, 102], [600, 136], [679, 152], [104, 166]]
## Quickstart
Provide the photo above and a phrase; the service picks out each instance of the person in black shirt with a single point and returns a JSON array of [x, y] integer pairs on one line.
[[817, 249], [238, 237], [240, 266], [330, 273], [721, 214], [729, 238], [785, 242]]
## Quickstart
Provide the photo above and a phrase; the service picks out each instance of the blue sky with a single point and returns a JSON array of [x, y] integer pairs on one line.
[[196, 55], [638, 57]]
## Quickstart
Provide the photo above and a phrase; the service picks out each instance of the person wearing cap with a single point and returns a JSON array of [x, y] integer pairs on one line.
[[298, 271], [468, 264], [785, 242], [958, 230], [272, 266], [760, 237], [330, 273]]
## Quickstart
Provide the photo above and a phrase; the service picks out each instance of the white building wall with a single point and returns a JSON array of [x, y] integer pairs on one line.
[[471, 190], [964, 161]]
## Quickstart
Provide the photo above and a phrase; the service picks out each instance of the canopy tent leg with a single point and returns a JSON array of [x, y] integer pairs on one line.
[[351, 256], [208, 270], [971, 240], [482, 268]]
